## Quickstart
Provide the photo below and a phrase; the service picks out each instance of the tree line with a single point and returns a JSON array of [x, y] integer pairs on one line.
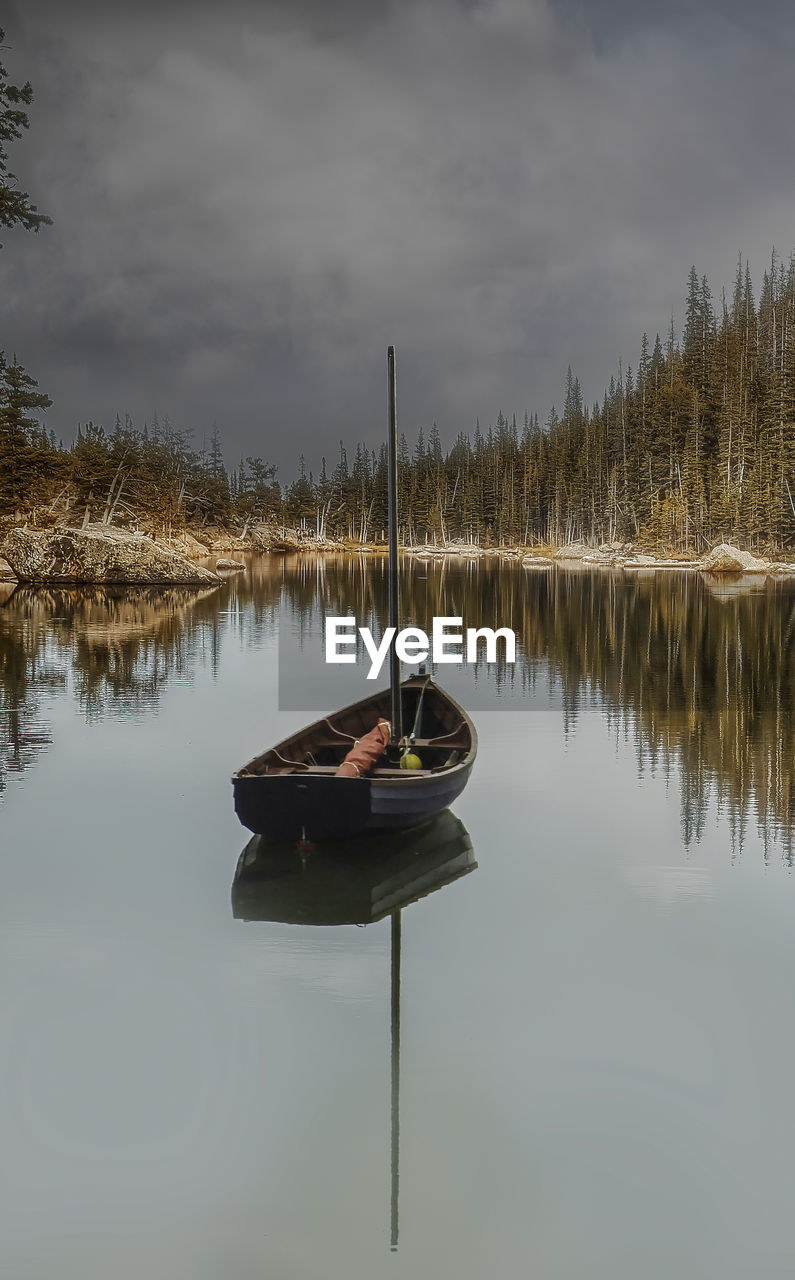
[[693, 445]]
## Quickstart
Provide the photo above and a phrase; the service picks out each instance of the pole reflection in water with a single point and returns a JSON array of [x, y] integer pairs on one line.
[[395, 1092], [360, 882]]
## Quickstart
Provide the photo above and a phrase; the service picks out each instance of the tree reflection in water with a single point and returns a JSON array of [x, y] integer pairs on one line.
[[698, 674]]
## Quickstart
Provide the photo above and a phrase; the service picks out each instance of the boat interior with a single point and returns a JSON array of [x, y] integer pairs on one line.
[[441, 736]]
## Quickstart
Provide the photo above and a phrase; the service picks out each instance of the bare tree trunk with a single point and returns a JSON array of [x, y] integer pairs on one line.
[[87, 516], [112, 511], [56, 500], [109, 504]]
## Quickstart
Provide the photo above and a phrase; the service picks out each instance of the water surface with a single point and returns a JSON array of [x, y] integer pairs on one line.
[[597, 1040]]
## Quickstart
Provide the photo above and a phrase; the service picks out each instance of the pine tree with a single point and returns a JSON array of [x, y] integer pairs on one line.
[[24, 453], [16, 208]]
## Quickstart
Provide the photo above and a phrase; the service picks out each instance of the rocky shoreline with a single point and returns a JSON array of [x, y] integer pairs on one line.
[[100, 553], [722, 560]]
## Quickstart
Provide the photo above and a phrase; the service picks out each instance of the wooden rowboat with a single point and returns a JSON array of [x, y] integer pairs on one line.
[[290, 792]]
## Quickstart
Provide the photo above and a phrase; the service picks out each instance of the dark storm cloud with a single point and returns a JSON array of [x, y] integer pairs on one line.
[[608, 21], [252, 203]]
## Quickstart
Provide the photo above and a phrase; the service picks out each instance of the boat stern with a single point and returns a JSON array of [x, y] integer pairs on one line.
[[295, 806]]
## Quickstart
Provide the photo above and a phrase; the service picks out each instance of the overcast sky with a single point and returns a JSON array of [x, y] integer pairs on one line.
[[251, 202]]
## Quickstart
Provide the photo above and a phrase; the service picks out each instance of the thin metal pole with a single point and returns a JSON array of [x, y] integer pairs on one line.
[[394, 599], [395, 1126]]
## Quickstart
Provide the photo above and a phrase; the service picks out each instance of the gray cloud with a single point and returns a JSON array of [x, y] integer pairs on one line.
[[250, 205]]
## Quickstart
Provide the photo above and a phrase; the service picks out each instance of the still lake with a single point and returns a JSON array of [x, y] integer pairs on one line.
[[597, 1031]]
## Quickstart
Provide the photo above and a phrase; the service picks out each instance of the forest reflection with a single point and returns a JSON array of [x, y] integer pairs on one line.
[[114, 649], [696, 673]]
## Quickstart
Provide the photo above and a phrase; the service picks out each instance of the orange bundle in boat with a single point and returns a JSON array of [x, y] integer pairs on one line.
[[365, 752]]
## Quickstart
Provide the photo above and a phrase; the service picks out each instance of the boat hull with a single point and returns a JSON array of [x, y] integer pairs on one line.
[[296, 806], [279, 796]]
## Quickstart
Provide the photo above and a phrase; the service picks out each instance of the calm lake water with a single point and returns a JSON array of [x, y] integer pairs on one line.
[[597, 1037]]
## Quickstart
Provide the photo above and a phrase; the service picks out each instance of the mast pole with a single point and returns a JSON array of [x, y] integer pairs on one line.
[[394, 601], [394, 1143]]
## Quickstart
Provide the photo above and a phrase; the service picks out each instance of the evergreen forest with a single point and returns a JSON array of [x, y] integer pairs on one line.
[[694, 445]]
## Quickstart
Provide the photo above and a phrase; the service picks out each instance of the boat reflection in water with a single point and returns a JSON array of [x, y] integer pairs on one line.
[[358, 882], [355, 882]]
